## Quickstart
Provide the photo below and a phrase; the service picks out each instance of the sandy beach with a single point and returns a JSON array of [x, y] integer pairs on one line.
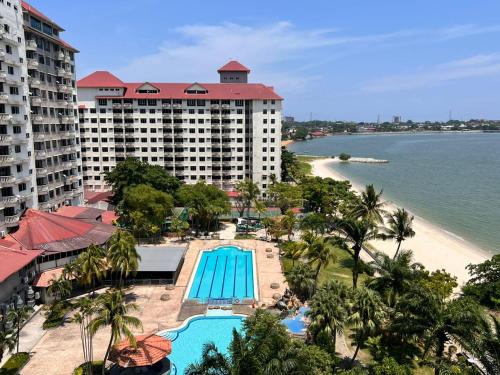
[[432, 246]]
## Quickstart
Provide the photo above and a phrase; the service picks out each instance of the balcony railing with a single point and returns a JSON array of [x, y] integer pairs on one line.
[[32, 64], [36, 100], [5, 139], [7, 180], [9, 38], [6, 159], [37, 119], [31, 45]]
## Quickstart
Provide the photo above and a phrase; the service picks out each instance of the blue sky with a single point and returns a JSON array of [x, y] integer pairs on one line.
[[339, 60]]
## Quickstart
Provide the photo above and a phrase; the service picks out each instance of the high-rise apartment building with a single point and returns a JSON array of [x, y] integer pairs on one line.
[[218, 132], [40, 162]]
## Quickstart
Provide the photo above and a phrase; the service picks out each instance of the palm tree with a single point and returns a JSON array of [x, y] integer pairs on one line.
[[249, 192], [212, 362], [71, 270], [7, 340], [329, 309], [293, 250], [260, 207], [83, 317], [59, 288], [320, 253], [289, 221], [358, 231], [399, 227], [123, 254], [92, 265], [370, 206], [368, 312], [394, 275], [111, 310], [301, 280], [17, 316]]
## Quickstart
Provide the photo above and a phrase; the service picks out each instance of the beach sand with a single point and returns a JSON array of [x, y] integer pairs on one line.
[[432, 246]]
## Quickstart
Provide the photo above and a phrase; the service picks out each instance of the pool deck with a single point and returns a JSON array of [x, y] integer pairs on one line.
[[59, 351]]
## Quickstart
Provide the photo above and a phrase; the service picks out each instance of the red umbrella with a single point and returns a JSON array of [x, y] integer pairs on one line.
[[150, 350]]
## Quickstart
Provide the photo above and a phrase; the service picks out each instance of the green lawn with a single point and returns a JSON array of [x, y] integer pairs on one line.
[[304, 161], [14, 364], [340, 270]]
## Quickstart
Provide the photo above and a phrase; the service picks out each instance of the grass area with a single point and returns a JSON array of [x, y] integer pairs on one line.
[[82, 369], [304, 161], [244, 236], [341, 269], [15, 363], [56, 314]]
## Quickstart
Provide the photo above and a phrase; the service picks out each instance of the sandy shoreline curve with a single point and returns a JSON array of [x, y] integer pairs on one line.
[[432, 246]]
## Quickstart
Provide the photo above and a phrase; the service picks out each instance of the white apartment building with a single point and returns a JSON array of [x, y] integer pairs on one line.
[[40, 162], [218, 132]]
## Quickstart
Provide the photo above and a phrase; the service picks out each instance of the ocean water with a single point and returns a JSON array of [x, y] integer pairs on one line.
[[452, 180]]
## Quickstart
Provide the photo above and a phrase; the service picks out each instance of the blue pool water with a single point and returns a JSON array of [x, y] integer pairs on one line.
[[296, 323], [187, 342], [225, 273]]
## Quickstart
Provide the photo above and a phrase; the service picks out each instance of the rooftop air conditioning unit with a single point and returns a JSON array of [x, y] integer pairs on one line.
[[2, 233]]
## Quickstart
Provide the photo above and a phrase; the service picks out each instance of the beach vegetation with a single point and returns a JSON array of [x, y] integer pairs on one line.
[[284, 196], [344, 157], [301, 133], [370, 206], [290, 166], [398, 227], [484, 283], [122, 254]]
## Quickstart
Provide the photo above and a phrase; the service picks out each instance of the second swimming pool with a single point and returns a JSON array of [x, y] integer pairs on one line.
[[224, 273]]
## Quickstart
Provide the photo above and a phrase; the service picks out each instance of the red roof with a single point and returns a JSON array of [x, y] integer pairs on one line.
[[232, 194], [31, 9], [234, 66], [80, 212], [56, 233], [150, 350], [108, 217], [100, 78], [96, 196], [14, 259], [235, 91], [45, 278]]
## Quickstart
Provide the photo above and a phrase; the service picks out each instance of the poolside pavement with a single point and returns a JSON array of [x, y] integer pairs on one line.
[[59, 351]]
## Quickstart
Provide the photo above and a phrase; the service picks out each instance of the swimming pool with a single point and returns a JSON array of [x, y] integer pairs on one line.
[[187, 341], [296, 324], [225, 272]]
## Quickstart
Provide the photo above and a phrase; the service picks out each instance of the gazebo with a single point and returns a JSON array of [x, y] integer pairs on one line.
[[149, 357]]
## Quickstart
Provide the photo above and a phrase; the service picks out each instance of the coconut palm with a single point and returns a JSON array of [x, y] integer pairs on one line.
[[289, 221], [71, 270], [82, 317], [59, 288], [7, 340], [359, 232], [301, 280], [368, 312], [399, 227], [248, 193], [92, 264], [394, 275], [212, 362], [320, 253], [329, 310], [370, 206], [123, 254], [17, 316], [112, 310]]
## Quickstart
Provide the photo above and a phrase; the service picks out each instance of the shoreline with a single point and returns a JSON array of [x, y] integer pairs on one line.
[[432, 246]]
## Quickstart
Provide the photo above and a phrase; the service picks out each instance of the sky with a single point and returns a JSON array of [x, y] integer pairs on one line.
[[330, 60]]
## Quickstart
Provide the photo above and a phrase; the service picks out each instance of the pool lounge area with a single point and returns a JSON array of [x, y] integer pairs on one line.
[[225, 274]]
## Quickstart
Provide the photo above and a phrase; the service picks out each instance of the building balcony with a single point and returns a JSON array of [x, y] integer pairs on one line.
[[68, 74], [117, 106], [166, 105], [33, 82], [60, 56], [128, 115], [31, 45], [127, 105], [9, 38], [7, 180], [4, 98], [12, 220], [117, 115], [60, 72], [37, 119], [5, 139], [42, 171], [5, 118], [225, 106], [214, 106], [6, 159], [32, 64], [36, 100]]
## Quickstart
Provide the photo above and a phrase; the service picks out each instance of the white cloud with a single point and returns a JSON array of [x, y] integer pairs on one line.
[[474, 66], [279, 54]]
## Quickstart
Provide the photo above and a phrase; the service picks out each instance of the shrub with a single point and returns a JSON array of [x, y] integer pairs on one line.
[[15, 363], [344, 157], [82, 369], [55, 315], [244, 236]]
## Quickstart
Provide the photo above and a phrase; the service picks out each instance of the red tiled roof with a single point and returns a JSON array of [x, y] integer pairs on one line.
[[44, 279], [150, 349], [13, 259], [56, 233], [108, 217], [234, 66], [235, 91], [100, 78], [232, 194], [31, 9], [96, 196], [80, 212]]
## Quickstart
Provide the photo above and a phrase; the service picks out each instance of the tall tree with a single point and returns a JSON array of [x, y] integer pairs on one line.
[[205, 204], [85, 310], [368, 313], [18, 316], [329, 309], [399, 227], [290, 167], [7, 339], [132, 172], [92, 265], [59, 288], [484, 284], [371, 206], [320, 253], [112, 310], [301, 280], [122, 254], [248, 192], [289, 222], [212, 361], [359, 232], [284, 196]]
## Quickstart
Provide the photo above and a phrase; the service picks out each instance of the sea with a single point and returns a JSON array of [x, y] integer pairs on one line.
[[450, 179]]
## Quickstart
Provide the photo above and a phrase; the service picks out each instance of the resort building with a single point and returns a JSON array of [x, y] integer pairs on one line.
[[217, 132], [40, 162]]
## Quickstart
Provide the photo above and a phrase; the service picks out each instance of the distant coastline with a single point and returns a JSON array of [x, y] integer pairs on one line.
[[433, 246]]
